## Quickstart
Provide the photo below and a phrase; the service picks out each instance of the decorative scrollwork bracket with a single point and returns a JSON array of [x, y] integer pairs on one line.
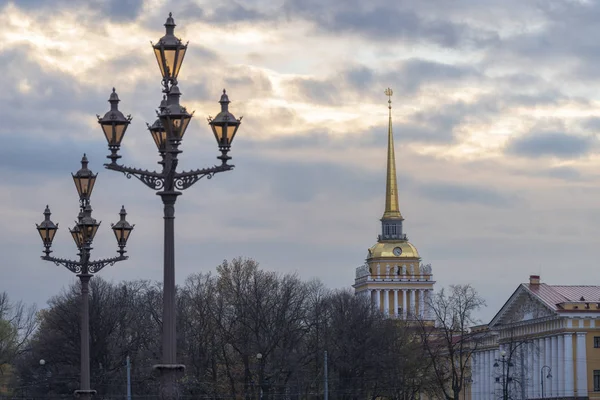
[[152, 179], [184, 180], [71, 265], [96, 266]]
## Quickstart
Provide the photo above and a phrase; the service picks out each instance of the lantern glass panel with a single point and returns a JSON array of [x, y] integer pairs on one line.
[[170, 60], [47, 234], [157, 53], [122, 235], [218, 131], [178, 125], [180, 55], [181, 125], [160, 138], [77, 236], [89, 231], [108, 132], [126, 233], [119, 132], [118, 234]]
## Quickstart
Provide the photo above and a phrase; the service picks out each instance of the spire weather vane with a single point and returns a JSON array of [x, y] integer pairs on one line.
[[389, 92]]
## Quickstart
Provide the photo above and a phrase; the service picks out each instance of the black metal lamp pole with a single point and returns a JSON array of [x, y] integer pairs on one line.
[[168, 131], [506, 379], [549, 375], [83, 234]]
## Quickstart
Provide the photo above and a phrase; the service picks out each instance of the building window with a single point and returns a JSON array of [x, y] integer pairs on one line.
[[596, 380], [597, 342]]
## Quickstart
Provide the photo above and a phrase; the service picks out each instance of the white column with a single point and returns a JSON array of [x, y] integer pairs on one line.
[[568, 357], [412, 303], [421, 302], [493, 357], [475, 376], [537, 353], [370, 296], [396, 302], [404, 308], [561, 366], [481, 386], [488, 374], [378, 299], [484, 379], [581, 366], [555, 366], [386, 302]]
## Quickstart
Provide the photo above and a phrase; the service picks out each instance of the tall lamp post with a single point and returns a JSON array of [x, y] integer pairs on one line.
[[83, 234], [548, 375], [506, 379], [167, 132]]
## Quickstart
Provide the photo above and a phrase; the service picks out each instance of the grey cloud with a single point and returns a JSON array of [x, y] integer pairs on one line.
[[414, 73], [359, 77], [591, 124], [293, 182], [564, 173], [461, 193], [252, 82], [53, 98], [564, 43], [235, 12], [319, 91], [557, 144], [37, 158], [384, 21], [360, 81], [116, 10]]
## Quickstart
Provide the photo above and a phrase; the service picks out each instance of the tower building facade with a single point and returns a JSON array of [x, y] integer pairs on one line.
[[393, 277]]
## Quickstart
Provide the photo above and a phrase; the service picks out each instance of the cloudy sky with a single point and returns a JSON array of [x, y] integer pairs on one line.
[[495, 115]]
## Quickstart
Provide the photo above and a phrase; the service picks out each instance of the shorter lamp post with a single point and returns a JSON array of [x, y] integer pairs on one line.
[[45, 374], [259, 358], [83, 234], [548, 375], [506, 379]]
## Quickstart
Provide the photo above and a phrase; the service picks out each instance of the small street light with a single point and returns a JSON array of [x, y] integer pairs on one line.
[[168, 131], [83, 234], [548, 376]]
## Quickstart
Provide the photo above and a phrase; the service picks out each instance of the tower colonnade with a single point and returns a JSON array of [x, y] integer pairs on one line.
[[403, 303]]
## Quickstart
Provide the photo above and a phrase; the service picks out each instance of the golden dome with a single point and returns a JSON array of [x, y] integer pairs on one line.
[[386, 250]]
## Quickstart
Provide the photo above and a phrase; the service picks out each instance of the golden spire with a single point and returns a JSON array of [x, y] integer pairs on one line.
[[392, 210]]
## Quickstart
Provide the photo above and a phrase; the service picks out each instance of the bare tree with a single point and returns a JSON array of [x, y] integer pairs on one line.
[[449, 343], [17, 324]]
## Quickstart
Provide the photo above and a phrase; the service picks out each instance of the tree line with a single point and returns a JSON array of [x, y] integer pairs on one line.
[[242, 333]]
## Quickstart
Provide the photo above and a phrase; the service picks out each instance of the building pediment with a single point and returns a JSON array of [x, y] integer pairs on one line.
[[522, 306]]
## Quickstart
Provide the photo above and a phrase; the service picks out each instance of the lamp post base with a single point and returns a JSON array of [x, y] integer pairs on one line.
[[85, 394], [169, 374]]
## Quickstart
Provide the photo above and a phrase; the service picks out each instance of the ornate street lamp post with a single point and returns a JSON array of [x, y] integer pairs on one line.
[[83, 234], [167, 132]]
